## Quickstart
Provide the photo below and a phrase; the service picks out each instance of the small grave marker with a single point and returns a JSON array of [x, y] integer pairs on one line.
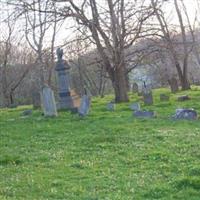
[[183, 98], [85, 106], [135, 107], [188, 114], [144, 114], [148, 98]]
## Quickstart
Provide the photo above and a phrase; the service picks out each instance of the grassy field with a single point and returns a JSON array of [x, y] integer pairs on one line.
[[107, 155]]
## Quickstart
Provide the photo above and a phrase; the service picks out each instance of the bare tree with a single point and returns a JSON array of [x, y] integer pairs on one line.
[[180, 62], [113, 27], [40, 33], [10, 54], [6, 45]]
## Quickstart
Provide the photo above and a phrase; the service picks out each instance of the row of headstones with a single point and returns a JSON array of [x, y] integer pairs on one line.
[[49, 107], [188, 114], [172, 82]]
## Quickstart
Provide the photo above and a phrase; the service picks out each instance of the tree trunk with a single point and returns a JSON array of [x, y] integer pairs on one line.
[[120, 85], [11, 98], [185, 85]]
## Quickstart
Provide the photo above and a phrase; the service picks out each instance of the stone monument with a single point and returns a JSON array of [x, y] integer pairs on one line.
[[67, 98]]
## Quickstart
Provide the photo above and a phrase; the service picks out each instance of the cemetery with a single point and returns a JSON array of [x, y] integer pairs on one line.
[[68, 156], [99, 100]]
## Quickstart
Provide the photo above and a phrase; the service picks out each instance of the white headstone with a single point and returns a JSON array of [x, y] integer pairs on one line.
[[48, 102]]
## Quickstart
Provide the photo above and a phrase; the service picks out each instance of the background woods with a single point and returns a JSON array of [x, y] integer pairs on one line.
[[105, 44]]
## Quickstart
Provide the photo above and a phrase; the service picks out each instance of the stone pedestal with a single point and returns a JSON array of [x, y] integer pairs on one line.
[[68, 99]]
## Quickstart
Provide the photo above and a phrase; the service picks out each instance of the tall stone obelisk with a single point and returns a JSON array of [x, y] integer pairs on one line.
[[67, 99]]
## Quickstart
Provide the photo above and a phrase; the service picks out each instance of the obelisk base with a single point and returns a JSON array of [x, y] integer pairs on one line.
[[69, 102]]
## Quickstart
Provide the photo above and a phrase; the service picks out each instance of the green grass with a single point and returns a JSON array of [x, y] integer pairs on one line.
[[107, 155]]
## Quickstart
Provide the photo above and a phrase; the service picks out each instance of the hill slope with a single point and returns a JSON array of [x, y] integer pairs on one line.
[[107, 155]]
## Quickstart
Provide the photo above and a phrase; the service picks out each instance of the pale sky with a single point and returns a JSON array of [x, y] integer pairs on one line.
[[191, 6], [65, 33]]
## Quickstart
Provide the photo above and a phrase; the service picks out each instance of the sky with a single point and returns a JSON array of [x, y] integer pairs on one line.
[[191, 6]]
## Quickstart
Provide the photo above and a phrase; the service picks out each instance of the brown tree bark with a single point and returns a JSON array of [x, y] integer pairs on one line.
[[119, 83]]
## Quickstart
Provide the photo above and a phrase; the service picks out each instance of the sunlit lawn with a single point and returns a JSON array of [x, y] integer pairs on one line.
[[107, 155]]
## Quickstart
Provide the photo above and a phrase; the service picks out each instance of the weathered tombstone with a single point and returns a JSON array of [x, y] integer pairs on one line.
[[164, 97], [36, 100], [135, 107], [148, 98], [188, 114], [85, 106], [111, 106], [183, 98], [26, 113], [144, 114], [135, 88], [48, 102], [67, 98], [173, 85]]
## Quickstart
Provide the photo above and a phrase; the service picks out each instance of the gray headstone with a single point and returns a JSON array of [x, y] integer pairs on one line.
[[173, 85], [111, 106], [48, 102], [148, 98], [135, 88], [135, 107], [164, 97], [85, 106], [183, 98], [188, 114], [26, 113], [144, 114]]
